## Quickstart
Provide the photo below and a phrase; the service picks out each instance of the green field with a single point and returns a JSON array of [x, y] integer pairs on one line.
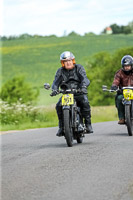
[[38, 58]]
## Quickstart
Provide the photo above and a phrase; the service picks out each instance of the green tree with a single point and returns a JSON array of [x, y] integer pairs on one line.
[[126, 29], [89, 34], [130, 24], [17, 89], [116, 29], [73, 34]]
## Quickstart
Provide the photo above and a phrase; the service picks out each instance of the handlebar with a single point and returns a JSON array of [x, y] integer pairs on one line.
[[104, 88], [68, 91], [64, 90], [109, 90], [73, 91]]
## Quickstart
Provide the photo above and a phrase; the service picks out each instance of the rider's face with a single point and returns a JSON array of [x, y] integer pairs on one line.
[[127, 67], [68, 64]]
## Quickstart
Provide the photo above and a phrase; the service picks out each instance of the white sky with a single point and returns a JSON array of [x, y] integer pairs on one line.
[[48, 17]]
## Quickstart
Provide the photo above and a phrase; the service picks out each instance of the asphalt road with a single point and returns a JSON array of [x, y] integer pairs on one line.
[[37, 165]]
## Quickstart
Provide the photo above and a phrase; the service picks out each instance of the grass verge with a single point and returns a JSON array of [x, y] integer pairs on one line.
[[48, 118]]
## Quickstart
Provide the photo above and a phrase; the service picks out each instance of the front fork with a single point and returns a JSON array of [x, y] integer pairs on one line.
[[73, 114], [66, 108], [131, 103], [132, 109]]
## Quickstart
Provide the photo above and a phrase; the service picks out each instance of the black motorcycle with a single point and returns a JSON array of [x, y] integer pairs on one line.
[[128, 103], [73, 126]]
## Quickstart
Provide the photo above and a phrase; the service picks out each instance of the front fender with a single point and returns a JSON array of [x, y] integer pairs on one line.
[[126, 102], [65, 107]]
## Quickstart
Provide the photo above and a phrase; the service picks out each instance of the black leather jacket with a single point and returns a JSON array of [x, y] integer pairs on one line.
[[75, 78]]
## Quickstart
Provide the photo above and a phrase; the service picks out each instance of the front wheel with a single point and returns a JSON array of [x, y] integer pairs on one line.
[[129, 121], [68, 128]]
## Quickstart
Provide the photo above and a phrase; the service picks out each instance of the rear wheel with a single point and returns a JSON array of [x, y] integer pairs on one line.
[[68, 128], [129, 121]]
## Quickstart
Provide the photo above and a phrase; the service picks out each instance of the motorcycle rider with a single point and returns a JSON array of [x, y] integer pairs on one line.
[[75, 76], [123, 78]]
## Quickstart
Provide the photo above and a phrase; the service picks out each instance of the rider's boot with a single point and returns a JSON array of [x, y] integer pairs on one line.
[[88, 125], [89, 128], [60, 130], [121, 121]]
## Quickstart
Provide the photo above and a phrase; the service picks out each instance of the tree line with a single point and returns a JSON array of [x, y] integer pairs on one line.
[[116, 29]]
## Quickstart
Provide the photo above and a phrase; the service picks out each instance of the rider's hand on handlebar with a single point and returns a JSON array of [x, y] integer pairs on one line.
[[54, 93], [114, 87], [84, 90]]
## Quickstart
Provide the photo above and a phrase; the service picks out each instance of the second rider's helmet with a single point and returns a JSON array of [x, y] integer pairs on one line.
[[127, 60], [67, 55]]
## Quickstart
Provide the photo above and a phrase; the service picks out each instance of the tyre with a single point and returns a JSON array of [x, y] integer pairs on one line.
[[79, 139], [129, 121], [68, 128]]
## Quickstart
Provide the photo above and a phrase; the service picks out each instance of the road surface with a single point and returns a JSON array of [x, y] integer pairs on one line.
[[37, 165]]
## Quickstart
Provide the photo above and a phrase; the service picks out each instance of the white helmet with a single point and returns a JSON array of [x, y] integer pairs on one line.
[[67, 55]]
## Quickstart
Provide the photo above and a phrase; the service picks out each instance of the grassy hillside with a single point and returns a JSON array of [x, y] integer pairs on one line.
[[38, 58]]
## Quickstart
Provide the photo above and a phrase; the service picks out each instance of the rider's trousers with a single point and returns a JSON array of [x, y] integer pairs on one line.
[[120, 106]]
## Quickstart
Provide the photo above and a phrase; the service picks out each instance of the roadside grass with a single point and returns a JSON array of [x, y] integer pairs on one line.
[[48, 118], [104, 113]]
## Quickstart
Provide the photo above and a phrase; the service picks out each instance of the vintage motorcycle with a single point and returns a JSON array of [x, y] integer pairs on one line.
[[73, 126], [128, 103]]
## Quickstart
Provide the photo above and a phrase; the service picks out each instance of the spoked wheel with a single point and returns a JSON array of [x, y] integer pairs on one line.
[[129, 121], [68, 128]]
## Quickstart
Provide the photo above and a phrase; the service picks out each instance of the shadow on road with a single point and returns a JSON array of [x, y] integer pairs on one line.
[[118, 134], [49, 146], [61, 145]]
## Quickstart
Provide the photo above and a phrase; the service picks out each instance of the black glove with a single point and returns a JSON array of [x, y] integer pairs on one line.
[[84, 90], [54, 93], [114, 87], [120, 91]]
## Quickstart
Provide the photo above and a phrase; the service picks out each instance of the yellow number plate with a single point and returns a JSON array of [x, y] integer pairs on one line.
[[128, 94], [67, 99]]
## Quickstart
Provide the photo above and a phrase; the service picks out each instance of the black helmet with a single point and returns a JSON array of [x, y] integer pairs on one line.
[[67, 55], [127, 60]]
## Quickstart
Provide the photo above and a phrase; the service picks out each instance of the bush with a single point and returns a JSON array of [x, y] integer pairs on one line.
[[16, 89], [19, 113]]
